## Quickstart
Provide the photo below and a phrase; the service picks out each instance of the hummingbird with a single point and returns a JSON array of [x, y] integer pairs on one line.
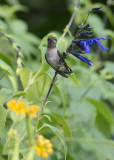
[[55, 59]]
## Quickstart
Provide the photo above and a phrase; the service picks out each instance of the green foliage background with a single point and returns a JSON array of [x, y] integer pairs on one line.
[[82, 107]]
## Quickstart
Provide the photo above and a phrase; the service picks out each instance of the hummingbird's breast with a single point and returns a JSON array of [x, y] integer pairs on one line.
[[52, 57]]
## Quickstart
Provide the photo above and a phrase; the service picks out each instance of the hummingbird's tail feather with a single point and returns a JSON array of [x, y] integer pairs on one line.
[[63, 74], [68, 70]]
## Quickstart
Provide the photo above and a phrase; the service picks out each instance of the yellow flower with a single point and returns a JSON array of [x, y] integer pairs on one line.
[[44, 147], [31, 110], [11, 104], [20, 108], [17, 106]]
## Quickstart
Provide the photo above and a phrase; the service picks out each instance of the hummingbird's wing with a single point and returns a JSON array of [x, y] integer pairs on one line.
[[62, 61]]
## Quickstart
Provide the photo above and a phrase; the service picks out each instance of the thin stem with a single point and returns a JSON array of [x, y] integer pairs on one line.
[[56, 72], [3, 75], [28, 125], [45, 100], [82, 26], [70, 21], [29, 82], [86, 91], [89, 87], [106, 13]]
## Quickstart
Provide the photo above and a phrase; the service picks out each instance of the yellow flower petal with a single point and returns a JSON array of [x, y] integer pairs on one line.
[[31, 110]]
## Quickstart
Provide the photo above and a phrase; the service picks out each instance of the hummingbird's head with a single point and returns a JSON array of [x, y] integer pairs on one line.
[[52, 41]]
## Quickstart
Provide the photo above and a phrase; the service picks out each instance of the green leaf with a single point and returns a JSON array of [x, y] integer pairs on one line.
[[73, 76], [24, 76], [105, 129], [58, 134], [19, 94], [46, 116], [1, 149], [1, 100], [3, 114], [64, 125], [10, 72], [109, 143], [103, 109], [97, 23], [39, 87]]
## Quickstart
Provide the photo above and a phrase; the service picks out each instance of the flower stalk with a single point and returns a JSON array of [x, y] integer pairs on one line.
[[29, 128]]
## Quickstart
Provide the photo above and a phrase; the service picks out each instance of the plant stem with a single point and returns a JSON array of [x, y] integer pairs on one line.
[[56, 72], [45, 100], [106, 12], [70, 21], [3, 75], [86, 91], [82, 26], [29, 130]]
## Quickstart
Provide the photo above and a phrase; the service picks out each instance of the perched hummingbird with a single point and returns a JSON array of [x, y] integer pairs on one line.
[[55, 59]]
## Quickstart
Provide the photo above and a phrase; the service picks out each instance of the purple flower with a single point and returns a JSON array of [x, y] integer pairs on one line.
[[86, 44], [83, 59]]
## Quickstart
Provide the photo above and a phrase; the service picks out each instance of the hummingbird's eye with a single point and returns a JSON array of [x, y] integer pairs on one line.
[[48, 40]]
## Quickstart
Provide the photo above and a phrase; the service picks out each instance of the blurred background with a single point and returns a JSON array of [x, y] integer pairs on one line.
[[86, 100]]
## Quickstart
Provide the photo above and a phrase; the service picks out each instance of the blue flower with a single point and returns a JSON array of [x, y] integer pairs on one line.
[[86, 44], [83, 59]]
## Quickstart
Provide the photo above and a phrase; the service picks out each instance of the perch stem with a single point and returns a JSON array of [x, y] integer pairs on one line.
[[45, 100], [56, 72]]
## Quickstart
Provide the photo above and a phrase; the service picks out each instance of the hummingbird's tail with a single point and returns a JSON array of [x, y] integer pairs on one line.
[[68, 70], [63, 74]]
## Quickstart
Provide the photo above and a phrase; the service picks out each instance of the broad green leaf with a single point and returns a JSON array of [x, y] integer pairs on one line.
[[46, 116], [24, 76], [74, 79], [10, 72], [58, 134], [109, 143], [1, 100], [97, 23], [2, 120], [1, 149], [5, 58], [6, 94], [105, 129], [103, 109], [64, 125], [73, 76], [39, 87], [19, 94]]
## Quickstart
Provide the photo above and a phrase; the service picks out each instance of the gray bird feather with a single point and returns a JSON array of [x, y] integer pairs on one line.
[[55, 59]]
